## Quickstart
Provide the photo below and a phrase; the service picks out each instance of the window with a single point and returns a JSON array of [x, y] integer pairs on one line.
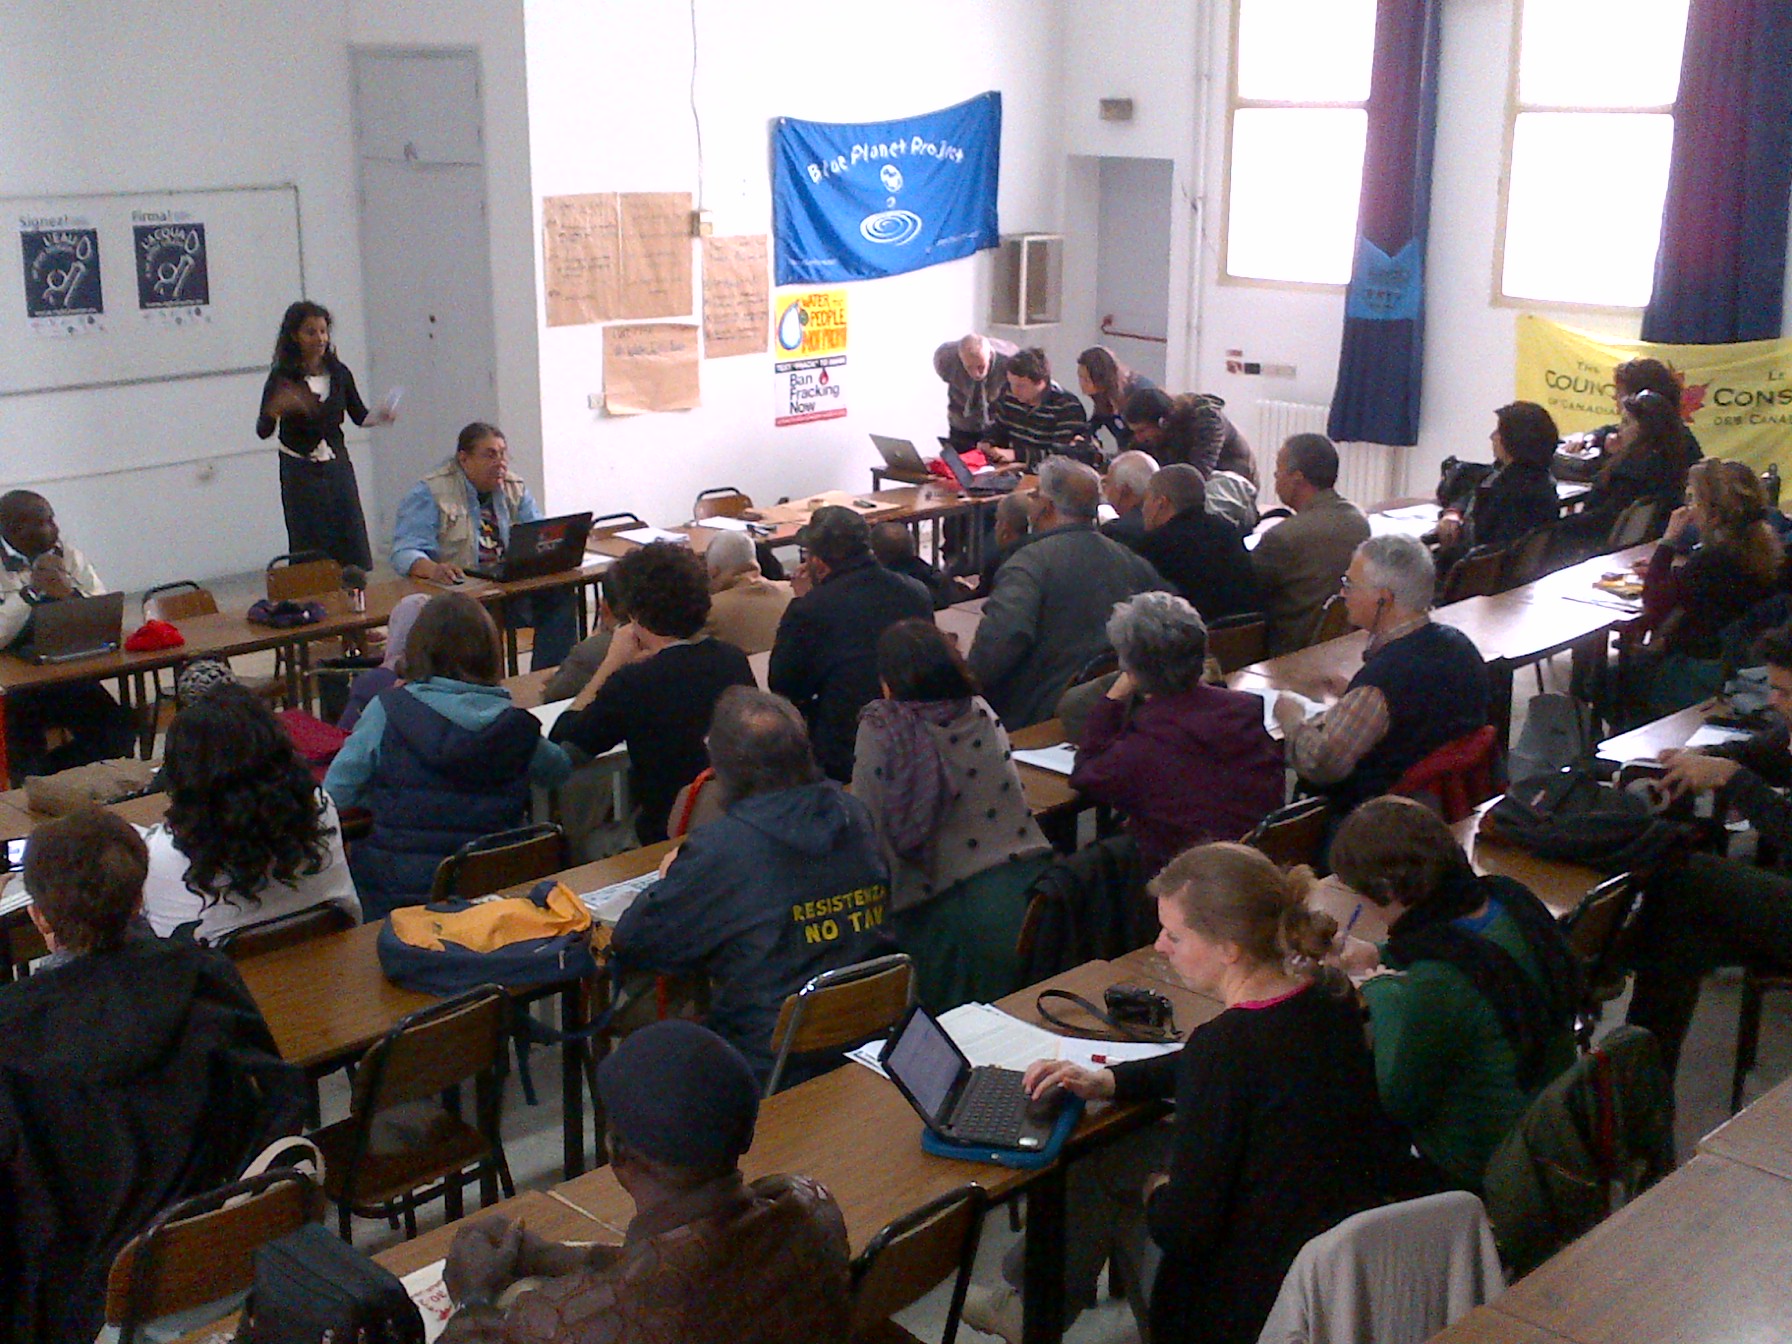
[[1300, 79], [1590, 123]]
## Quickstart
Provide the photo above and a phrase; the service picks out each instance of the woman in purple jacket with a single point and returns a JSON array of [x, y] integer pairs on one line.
[[1184, 762]]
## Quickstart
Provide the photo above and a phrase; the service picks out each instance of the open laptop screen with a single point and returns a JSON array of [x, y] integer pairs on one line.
[[950, 456], [926, 1062]]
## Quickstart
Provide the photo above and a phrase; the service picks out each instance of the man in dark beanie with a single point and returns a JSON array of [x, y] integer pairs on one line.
[[824, 659], [707, 1259]]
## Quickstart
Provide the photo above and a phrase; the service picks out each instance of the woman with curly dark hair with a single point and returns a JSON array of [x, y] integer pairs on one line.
[[249, 836]]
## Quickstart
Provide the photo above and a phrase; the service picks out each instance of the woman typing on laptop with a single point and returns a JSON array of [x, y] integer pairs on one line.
[[1277, 1135]]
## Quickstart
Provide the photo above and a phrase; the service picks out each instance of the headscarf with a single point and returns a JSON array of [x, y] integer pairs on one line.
[[398, 627], [918, 786]]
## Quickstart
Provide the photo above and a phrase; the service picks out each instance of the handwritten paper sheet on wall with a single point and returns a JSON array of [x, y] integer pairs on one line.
[[613, 256], [736, 305], [650, 367]]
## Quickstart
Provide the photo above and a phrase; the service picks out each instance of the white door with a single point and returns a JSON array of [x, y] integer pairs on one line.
[[425, 263]]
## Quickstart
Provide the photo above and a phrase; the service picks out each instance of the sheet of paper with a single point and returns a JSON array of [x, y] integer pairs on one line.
[[608, 904], [1708, 735], [1270, 699], [656, 255], [721, 524], [642, 535], [13, 895], [430, 1293], [986, 1034], [1092, 1054], [580, 247], [650, 367], [1060, 760], [550, 714], [736, 301]]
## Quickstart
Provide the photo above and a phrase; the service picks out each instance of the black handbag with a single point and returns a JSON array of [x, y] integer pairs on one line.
[[311, 1287]]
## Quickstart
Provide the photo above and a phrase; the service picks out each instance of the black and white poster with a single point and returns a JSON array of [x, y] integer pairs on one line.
[[63, 295], [173, 280]]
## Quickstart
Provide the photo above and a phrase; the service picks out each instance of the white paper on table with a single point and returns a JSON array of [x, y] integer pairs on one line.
[[1413, 512], [1708, 735], [641, 536], [608, 904], [1270, 699], [13, 895], [426, 1288], [1060, 760], [721, 524], [986, 1034], [1093, 1054], [549, 714]]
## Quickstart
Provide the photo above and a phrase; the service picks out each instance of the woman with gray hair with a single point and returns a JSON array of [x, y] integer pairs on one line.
[[1184, 762]]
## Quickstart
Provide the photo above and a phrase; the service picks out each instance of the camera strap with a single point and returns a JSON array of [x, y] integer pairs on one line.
[[1117, 1030]]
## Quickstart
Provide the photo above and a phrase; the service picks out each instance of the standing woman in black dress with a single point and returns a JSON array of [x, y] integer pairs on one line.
[[307, 394]]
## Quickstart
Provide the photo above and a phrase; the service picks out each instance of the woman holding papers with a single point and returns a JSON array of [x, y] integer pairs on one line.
[[932, 763], [1182, 761], [1277, 1136], [307, 394]]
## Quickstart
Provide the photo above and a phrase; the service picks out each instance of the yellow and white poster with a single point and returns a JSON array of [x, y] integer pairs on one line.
[[810, 332], [1737, 398]]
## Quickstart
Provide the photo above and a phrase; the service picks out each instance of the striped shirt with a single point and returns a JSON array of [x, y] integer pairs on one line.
[[1033, 433]]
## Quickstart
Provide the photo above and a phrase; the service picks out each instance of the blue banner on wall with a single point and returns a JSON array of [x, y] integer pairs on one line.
[[862, 200]]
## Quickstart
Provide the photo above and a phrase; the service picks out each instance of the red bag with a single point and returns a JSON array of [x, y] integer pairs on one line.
[[316, 741]]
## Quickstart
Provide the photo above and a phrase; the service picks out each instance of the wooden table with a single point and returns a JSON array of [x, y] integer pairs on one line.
[[853, 1132], [1651, 739], [1489, 1325], [1706, 1255], [1758, 1136]]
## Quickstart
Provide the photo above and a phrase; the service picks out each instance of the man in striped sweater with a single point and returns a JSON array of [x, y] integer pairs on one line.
[[1036, 418]]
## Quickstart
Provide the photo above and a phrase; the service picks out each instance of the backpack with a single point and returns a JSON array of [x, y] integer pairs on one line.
[[519, 942], [1570, 815], [311, 1287]]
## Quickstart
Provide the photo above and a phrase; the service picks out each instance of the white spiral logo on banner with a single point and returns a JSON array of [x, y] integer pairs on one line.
[[894, 227]]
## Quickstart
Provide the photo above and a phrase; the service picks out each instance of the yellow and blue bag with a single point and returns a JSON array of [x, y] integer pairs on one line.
[[518, 942]]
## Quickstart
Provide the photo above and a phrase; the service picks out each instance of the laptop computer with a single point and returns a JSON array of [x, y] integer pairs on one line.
[[545, 546], [75, 628], [984, 1106], [984, 482], [901, 457]]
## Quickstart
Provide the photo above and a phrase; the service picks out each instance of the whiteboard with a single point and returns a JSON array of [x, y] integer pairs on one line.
[[115, 289]]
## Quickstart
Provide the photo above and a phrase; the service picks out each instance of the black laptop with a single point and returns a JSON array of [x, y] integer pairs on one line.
[[984, 482], [78, 627], [984, 1106], [545, 546]]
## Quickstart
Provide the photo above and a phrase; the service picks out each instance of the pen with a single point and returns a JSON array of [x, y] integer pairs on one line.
[[1354, 916]]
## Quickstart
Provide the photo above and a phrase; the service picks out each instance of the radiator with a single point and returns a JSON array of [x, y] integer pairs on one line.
[[1367, 472]]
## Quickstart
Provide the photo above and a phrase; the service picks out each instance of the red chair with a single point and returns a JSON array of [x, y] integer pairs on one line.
[[1460, 774]]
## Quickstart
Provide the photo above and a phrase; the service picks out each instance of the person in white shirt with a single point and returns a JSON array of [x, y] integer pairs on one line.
[[249, 837]]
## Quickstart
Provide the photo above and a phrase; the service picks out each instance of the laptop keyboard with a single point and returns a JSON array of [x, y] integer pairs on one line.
[[992, 1109]]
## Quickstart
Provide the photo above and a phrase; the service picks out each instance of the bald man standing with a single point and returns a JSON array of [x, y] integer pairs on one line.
[[974, 369]]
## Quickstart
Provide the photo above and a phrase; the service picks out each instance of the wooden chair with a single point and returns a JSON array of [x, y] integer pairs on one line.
[[1593, 928], [903, 1262], [306, 574], [723, 501], [840, 1008], [1292, 834], [1333, 622], [1462, 774], [609, 524], [203, 1249], [301, 926], [505, 859], [179, 601], [1477, 574], [1238, 641], [427, 1053]]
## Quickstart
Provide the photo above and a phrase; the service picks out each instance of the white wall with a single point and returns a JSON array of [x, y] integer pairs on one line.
[[115, 95], [609, 87]]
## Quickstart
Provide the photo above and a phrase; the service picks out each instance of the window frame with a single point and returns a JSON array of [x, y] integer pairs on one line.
[[1235, 103], [1498, 296]]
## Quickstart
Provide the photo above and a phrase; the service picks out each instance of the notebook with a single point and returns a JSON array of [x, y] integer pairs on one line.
[[77, 627]]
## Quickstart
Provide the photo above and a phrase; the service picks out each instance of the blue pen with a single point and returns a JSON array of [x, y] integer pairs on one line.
[[1354, 916]]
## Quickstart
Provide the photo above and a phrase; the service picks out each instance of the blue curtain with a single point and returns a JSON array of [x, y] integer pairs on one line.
[[1721, 270], [1382, 361]]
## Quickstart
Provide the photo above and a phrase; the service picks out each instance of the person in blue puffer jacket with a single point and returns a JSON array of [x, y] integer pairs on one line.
[[441, 760]]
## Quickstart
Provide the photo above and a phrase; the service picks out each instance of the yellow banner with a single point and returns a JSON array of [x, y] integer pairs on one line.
[[1737, 398]]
